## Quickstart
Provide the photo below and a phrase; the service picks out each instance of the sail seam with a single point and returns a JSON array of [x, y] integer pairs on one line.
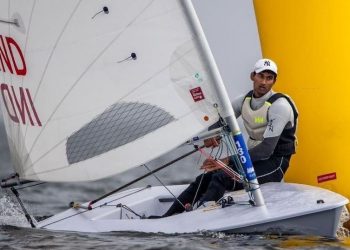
[[23, 147]]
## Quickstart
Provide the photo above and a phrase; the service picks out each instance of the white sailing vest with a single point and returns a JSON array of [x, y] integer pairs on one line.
[[255, 121]]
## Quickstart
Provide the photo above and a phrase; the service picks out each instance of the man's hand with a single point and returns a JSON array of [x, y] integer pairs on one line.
[[210, 165], [212, 142]]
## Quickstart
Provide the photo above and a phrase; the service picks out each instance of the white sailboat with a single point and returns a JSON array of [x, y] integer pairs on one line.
[[90, 90]]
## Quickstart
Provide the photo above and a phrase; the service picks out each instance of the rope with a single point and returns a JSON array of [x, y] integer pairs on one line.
[[89, 207], [200, 182], [33, 185], [92, 208], [164, 185], [144, 176], [199, 185], [234, 175], [128, 209]]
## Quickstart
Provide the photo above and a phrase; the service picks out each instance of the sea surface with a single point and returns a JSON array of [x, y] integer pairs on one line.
[[47, 199]]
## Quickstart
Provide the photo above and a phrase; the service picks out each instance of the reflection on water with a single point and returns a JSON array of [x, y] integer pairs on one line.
[[313, 241]]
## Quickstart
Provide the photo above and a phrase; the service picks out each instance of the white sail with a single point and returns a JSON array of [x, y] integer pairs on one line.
[[90, 89]]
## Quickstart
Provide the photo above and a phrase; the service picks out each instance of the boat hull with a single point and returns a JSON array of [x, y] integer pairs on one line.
[[289, 209], [321, 223]]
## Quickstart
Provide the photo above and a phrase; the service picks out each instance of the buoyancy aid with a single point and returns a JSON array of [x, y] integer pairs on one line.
[[256, 121]]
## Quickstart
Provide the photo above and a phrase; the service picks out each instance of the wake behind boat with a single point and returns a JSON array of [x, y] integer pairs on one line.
[[108, 88]]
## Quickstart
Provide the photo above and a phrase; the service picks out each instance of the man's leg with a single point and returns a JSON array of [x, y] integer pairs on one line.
[[272, 169], [220, 182], [199, 186]]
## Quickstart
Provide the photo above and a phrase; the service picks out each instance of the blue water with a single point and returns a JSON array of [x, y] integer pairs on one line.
[[48, 199]]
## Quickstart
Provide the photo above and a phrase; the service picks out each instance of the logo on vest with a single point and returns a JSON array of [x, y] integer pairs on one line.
[[259, 119], [270, 125]]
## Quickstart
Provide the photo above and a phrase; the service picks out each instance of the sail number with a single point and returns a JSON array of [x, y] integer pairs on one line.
[[11, 57], [244, 157], [18, 101], [240, 152]]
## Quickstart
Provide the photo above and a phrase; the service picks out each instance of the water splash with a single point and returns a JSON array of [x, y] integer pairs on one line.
[[10, 212], [212, 234]]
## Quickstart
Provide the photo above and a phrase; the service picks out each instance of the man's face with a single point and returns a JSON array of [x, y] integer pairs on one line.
[[262, 82]]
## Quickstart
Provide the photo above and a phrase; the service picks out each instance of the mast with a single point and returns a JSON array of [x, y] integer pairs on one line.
[[227, 110]]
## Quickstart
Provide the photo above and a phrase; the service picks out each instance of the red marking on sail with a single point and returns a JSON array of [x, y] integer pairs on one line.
[[197, 94], [11, 57], [4, 57], [8, 101], [19, 102], [326, 177]]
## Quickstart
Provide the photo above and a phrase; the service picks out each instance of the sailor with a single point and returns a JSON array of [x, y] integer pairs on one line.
[[270, 120]]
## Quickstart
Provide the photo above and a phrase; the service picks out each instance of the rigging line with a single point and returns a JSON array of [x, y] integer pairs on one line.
[[230, 172], [145, 175], [229, 150], [65, 218], [200, 183], [199, 158], [234, 155], [228, 153], [128, 209], [29, 186], [219, 151], [233, 174], [222, 166], [81, 76], [230, 144], [92, 208], [135, 192], [164, 185]]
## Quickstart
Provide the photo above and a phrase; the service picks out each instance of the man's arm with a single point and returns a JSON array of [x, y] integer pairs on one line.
[[237, 107], [263, 150]]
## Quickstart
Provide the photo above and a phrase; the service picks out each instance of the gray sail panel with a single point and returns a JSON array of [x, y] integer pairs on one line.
[[118, 125]]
